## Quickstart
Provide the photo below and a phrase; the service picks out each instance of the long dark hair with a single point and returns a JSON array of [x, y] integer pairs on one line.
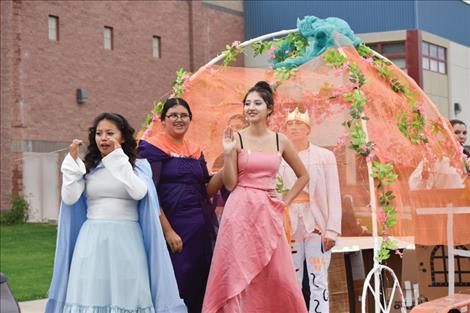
[[129, 145], [265, 92], [171, 102]]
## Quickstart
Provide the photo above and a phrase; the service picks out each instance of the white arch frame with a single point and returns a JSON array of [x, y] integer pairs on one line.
[[245, 44], [373, 202]]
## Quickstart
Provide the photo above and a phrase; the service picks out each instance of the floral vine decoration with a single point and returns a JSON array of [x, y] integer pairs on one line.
[[278, 49], [180, 85], [383, 173], [231, 52], [410, 123]]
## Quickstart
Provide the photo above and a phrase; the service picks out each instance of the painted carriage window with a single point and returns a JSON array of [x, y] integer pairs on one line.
[[439, 265]]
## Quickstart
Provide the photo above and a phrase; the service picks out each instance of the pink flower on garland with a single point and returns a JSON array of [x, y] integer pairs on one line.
[[420, 108], [155, 117], [271, 52], [341, 140], [340, 70], [236, 44], [370, 156], [187, 82], [381, 216], [369, 60]]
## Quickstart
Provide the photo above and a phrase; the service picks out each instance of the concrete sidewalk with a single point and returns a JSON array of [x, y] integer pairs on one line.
[[36, 306]]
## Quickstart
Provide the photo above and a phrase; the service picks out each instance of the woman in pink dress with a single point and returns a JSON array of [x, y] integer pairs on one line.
[[252, 269]]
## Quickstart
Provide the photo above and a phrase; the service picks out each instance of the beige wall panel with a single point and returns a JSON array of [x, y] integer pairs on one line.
[[261, 61], [235, 5], [384, 36], [459, 80], [435, 39], [441, 103], [435, 84]]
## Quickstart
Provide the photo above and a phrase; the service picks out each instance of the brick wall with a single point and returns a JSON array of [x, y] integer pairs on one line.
[[39, 77], [9, 120], [213, 29]]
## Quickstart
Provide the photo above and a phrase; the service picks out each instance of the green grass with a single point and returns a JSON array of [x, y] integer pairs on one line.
[[27, 258]]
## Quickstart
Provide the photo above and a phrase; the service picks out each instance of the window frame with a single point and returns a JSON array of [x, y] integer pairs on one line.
[[427, 55], [390, 56], [159, 51], [56, 21], [111, 37]]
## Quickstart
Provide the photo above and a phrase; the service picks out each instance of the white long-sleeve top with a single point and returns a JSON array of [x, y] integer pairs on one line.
[[112, 188], [323, 211]]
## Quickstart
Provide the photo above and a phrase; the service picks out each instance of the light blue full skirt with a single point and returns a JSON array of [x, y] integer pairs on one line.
[[109, 271]]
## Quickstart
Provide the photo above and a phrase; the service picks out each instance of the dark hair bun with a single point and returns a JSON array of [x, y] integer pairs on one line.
[[264, 85]]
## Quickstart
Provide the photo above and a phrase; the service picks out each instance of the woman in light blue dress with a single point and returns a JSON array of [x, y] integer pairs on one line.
[[111, 255]]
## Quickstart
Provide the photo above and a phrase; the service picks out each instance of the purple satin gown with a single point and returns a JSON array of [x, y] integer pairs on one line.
[[180, 183]]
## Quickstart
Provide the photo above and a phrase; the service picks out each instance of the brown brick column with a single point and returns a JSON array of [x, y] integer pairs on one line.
[[413, 55]]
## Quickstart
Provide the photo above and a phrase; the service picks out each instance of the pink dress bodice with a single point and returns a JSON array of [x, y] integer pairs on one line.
[[258, 169]]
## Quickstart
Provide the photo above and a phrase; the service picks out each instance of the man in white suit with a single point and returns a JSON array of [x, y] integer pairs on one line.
[[316, 213]]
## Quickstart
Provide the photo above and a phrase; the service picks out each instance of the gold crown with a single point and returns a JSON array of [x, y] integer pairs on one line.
[[297, 116]]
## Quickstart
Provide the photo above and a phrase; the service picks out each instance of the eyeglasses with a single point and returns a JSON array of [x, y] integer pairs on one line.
[[174, 117]]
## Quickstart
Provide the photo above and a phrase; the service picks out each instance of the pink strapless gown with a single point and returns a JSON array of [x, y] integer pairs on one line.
[[252, 269]]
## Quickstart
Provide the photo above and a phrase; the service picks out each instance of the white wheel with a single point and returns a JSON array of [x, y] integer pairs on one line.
[[377, 291]]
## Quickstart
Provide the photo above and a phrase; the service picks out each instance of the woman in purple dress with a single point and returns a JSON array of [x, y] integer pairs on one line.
[[184, 187]]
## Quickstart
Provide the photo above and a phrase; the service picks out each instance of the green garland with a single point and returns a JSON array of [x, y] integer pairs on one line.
[[281, 49], [231, 52], [383, 173], [179, 87], [281, 74], [410, 123]]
